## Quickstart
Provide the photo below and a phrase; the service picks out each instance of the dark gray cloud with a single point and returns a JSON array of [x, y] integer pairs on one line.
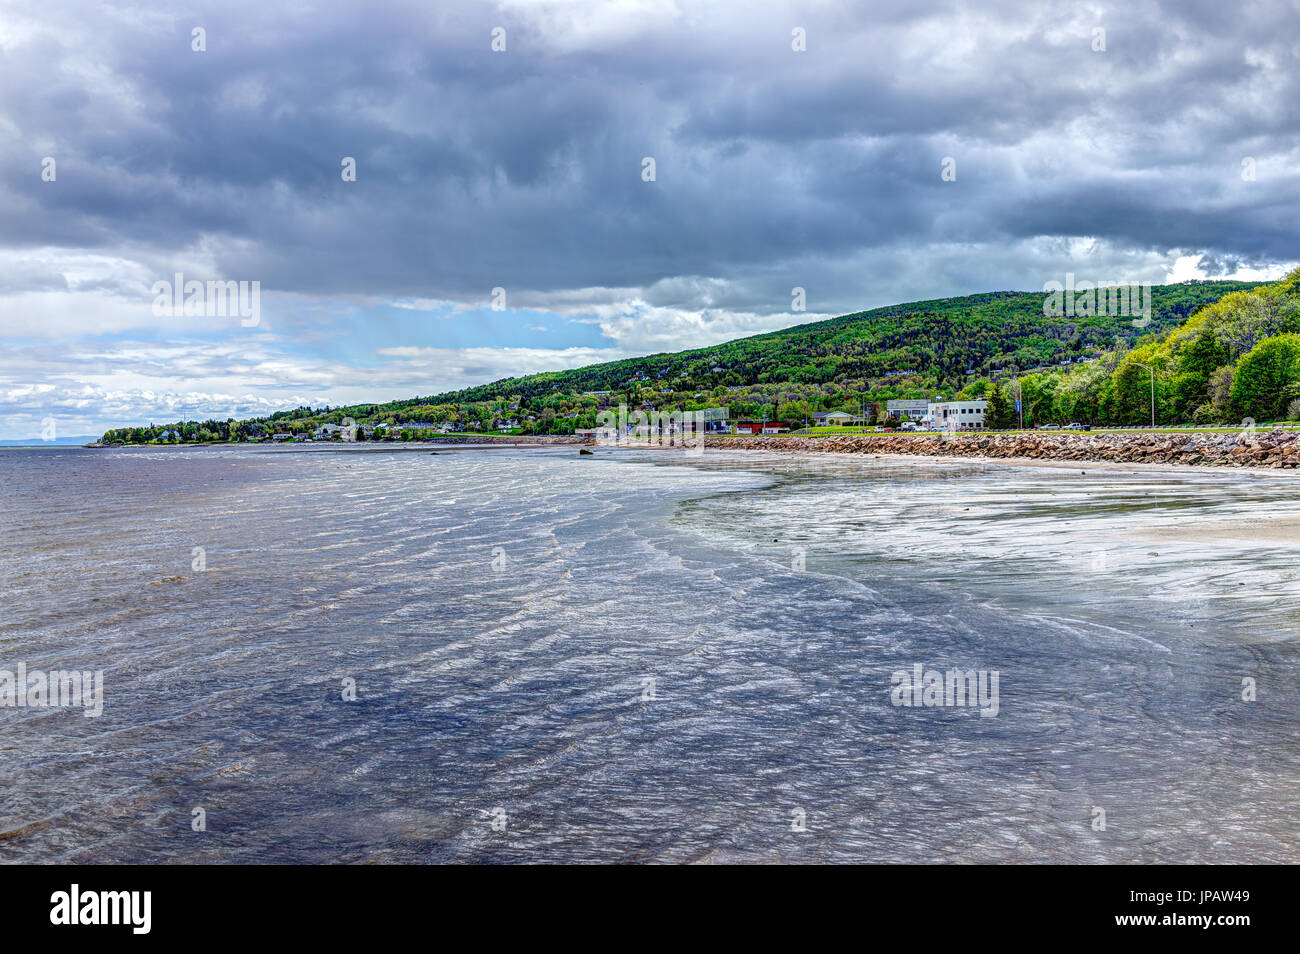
[[522, 168]]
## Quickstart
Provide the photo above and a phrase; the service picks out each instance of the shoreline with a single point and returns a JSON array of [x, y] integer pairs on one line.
[[1100, 466], [1271, 450], [1266, 450], [520, 440]]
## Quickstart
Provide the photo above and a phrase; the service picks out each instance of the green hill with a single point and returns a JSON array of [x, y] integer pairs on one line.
[[913, 349], [945, 341]]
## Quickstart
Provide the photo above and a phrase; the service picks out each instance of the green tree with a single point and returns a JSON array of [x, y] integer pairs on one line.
[[1000, 412], [1128, 399], [1039, 397], [1260, 386], [1218, 409]]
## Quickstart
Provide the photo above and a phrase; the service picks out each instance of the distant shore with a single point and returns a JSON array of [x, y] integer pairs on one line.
[[505, 440], [1274, 449]]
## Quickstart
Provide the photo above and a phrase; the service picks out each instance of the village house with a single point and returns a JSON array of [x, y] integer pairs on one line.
[[715, 420], [603, 435], [908, 410], [956, 415], [762, 427], [836, 419]]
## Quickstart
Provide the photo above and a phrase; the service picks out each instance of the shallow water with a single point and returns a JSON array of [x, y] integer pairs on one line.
[[641, 656]]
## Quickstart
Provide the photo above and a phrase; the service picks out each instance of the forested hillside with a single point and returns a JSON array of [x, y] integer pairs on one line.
[[1215, 347], [941, 343], [1234, 359]]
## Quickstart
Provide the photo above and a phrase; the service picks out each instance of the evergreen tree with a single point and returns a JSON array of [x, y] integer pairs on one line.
[[999, 413]]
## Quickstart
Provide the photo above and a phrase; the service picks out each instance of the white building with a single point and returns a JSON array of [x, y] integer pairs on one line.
[[956, 415], [908, 410]]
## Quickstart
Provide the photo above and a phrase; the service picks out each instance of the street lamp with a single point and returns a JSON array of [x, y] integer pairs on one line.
[[1020, 401], [1153, 390]]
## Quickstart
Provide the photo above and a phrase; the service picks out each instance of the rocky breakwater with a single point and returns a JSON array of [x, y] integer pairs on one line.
[[1278, 449]]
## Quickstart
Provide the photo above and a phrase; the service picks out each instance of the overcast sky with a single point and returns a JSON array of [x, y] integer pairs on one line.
[[1168, 153]]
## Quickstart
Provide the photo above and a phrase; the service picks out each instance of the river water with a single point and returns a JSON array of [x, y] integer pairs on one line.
[[643, 656]]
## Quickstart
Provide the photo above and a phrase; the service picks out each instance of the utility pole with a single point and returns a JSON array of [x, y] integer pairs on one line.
[[1153, 390]]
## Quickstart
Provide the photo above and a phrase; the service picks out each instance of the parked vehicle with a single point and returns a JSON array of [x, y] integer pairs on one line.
[[1074, 426]]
